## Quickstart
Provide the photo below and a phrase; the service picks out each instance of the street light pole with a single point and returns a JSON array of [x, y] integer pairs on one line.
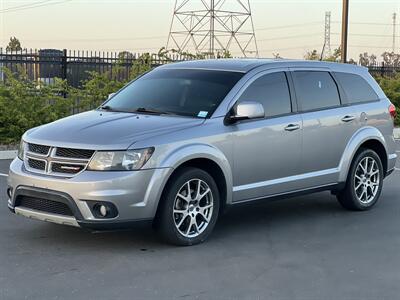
[[345, 29]]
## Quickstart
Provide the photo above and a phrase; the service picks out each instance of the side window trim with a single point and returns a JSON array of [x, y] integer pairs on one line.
[[338, 88]]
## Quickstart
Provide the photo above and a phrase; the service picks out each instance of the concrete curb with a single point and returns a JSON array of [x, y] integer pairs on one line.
[[396, 133], [8, 154]]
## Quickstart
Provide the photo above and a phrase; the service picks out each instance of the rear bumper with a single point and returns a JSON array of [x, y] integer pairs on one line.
[[135, 195]]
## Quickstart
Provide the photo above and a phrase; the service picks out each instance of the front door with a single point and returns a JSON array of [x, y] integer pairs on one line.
[[266, 151]]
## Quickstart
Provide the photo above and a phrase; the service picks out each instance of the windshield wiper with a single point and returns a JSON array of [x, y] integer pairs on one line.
[[106, 107], [151, 111]]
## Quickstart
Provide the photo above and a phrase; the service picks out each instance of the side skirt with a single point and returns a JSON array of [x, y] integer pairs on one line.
[[334, 188]]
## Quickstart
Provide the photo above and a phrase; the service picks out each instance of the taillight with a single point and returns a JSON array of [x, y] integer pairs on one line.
[[392, 111]]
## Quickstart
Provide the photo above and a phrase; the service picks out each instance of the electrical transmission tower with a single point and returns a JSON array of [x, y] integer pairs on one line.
[[213, 27], [394, 32], [326, 51]]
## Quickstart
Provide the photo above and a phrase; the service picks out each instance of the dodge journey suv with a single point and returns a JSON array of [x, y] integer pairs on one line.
[[182, 143]]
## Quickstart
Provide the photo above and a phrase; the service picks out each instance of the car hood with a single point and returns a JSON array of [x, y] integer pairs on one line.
[[98, 130]]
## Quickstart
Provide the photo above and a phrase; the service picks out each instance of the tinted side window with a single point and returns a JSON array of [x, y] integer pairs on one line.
[[356, 88], [315, 90], [272, 91]]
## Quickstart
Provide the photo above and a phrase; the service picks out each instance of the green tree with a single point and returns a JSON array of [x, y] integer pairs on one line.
[[14, 45], [312, 55], [336, 56], [366, 60]]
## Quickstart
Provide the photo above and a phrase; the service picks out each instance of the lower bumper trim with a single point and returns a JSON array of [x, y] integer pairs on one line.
[[38, 215]]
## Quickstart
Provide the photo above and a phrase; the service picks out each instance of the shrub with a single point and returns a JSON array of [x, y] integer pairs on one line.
[[391, 87], [24, 105]]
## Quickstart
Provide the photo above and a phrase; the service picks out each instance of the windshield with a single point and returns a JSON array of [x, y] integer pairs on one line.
[[195, 93]]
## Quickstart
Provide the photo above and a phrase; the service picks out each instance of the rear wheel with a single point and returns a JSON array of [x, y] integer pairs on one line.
[[364, 182], [189, 209]]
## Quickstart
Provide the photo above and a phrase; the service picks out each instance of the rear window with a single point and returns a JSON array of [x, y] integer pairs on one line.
[[315, 90], [357, 89]]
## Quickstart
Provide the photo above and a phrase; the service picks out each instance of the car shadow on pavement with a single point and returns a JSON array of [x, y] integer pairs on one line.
[[243, 221]]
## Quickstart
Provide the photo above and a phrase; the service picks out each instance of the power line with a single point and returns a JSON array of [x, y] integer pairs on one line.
[[97, 39], [288, 26], [369, 35], [25, 5], [365, 23], [289, 37], [30, 6]]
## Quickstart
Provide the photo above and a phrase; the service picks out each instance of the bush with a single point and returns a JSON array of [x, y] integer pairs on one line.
[[24, 105], [391, 87]]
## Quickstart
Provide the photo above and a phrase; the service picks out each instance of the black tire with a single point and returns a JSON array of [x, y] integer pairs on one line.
[[349, 198], [166, 219]]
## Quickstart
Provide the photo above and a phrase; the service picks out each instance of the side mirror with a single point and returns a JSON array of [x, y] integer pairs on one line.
[[245, 110], [110, 96]]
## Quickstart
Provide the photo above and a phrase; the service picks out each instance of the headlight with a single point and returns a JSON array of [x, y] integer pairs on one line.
[[21, 150], [120, 160]]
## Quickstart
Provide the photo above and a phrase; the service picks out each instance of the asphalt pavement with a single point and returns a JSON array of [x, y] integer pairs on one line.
[[300, 248]]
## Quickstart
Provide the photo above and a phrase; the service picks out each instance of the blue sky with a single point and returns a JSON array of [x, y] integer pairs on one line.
[[143, 25]]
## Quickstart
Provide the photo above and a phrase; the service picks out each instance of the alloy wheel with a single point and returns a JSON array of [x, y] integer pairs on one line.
[[367, 180], [193, 208]]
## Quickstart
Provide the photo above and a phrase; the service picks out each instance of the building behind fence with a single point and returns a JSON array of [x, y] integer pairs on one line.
[[74, 66]]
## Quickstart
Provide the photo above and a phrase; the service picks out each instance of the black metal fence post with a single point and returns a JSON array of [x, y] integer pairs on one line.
[[64, 68], [383, 69], [64, 65]]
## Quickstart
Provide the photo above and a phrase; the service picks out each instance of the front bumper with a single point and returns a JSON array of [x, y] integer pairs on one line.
[[135, 194]]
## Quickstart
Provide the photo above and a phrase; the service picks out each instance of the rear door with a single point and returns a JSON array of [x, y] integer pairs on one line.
[[328, 125]]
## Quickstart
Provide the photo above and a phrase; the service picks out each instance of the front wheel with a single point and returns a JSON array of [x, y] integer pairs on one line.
[[189, 208], [364, 182]]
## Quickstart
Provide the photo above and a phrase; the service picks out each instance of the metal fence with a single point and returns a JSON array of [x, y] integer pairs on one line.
[[74, 66], [383, 70]]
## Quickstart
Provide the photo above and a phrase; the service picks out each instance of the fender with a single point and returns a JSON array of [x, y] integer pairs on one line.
[[189, 152], [361, 136]]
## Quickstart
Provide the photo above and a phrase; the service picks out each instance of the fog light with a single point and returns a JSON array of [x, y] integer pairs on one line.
[[104, 210]]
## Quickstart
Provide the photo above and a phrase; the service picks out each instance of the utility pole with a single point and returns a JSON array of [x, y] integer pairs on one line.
[[345, 29], [394, 32], [327, 52]]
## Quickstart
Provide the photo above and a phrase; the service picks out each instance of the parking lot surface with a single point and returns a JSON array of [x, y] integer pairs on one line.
[[300, 248]]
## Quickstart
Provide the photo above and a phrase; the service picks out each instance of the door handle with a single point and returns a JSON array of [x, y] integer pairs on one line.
[[292, 127], [348, 118]]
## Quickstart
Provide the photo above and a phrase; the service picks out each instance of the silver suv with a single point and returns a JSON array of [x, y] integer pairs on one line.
[[185, 141]]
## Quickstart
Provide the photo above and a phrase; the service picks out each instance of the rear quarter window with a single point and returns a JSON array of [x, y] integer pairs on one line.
[[357, 89]]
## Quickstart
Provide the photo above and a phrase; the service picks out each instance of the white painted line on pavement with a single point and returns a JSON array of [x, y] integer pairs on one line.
[[397, 169], [5, 175], [10, 154]]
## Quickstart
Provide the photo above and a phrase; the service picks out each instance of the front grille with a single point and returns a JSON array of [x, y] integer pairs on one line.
[[66, 168], [74, 153], [65, 162], [44, 205], [37, 164], [38, 149]]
